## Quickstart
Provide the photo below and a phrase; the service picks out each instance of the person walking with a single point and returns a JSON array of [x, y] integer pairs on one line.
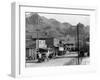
[[47, 54], [61, 47]]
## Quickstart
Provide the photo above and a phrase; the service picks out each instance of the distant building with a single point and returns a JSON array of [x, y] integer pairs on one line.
[[69, 42]]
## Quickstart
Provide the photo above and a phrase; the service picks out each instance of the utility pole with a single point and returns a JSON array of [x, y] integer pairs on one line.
[[78, 42]]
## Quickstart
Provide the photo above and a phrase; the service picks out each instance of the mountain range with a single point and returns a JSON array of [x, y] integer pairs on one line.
[[52, 27]]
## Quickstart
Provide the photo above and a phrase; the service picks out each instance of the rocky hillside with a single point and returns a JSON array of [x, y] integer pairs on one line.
[[54, 28]]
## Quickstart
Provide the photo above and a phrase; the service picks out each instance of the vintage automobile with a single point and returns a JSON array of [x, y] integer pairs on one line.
[[43, 53]]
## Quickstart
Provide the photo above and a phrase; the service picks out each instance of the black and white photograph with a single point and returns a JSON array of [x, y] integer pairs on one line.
[[54, 39]]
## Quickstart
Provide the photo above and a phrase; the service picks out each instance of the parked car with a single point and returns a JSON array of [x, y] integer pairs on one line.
[[41, 52]]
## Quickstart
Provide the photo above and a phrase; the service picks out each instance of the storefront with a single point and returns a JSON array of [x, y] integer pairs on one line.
[[36, 43]]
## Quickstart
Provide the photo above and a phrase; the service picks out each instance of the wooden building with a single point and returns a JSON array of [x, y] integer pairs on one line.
[[34, 41]]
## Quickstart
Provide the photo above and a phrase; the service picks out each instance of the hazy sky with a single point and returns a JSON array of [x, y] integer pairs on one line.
[[72, 19]]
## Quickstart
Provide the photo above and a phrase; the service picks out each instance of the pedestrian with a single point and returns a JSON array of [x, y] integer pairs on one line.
[[61, 47], [39, 56], [47, 54]]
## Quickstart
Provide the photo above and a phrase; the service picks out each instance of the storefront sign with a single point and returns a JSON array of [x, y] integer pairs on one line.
[[41, 44]]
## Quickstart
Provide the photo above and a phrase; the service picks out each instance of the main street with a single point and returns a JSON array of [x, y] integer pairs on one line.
[[68, 59]]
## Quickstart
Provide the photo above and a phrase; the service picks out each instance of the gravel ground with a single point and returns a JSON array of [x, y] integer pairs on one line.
[[52, 62], [60, 61]]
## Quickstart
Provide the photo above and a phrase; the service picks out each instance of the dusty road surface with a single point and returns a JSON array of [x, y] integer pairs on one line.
[[59, 61]]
